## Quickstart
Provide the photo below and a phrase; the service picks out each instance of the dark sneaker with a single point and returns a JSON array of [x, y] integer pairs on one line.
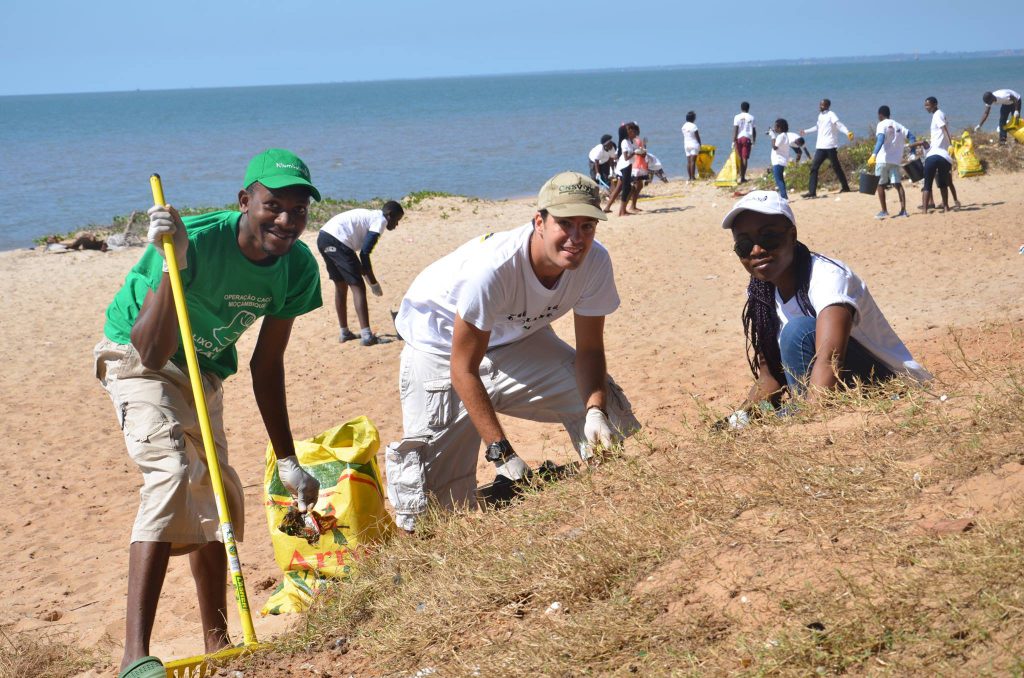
[[903, 213], [346, 335], [844, 190], [808, 196], [373, 340]]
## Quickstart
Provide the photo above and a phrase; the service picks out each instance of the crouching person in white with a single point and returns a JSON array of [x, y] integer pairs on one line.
[[478, 341]]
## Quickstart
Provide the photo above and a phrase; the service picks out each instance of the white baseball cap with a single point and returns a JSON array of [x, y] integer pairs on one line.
[[765, 202]]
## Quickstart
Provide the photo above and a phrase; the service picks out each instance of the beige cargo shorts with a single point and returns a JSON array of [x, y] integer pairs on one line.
[[156, 412]]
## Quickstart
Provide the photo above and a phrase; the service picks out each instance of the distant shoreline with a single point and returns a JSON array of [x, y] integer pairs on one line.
[[808, 61]]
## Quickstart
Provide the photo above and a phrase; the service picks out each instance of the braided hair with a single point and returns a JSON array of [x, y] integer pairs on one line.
[[761, 322]]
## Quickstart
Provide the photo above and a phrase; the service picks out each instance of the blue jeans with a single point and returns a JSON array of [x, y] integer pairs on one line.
[[780, 181], [796, 344]]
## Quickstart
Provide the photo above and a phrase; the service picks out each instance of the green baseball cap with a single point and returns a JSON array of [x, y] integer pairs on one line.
[[278, 168]]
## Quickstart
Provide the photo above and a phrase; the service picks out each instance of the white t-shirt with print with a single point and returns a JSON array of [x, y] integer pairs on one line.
[[893, 143], [624, 162], [490, 283], [785, 141], [352, 227], [1003, 97], [690, 137], [600, 154], [745, 123], [939, 143], [832, 282], [828, 123]]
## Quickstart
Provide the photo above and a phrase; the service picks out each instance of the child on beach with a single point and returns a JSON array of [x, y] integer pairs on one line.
[[691, 144], [890, 140], [810, 322], [781, 144], [641, 172], [628, 132]]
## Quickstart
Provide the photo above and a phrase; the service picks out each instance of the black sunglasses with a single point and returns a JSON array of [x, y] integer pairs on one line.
[[766, 241]]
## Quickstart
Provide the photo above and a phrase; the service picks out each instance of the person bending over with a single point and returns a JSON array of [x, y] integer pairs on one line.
[[810, 322], [477, 324], [236, 266], [340, 238], [1009, 108]]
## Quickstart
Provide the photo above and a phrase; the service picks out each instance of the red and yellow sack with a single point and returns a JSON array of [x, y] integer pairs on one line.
[[344, 460]]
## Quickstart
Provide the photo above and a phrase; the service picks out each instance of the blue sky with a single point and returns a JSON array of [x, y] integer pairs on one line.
[[78, 46]]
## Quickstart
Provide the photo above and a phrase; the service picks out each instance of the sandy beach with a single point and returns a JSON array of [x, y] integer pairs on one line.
[[676, 342]]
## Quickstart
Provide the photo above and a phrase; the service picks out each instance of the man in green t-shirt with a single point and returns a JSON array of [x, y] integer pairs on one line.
[[236, 266]]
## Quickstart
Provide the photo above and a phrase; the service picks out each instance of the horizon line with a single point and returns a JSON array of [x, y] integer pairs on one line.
[[793, 61]]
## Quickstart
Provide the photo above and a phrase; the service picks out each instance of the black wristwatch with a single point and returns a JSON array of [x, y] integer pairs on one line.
[[499, 452]]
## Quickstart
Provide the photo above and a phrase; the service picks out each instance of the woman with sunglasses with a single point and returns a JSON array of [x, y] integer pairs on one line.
[[810, 322]]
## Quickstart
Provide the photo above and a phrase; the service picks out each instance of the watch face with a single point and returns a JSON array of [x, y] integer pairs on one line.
[[498, 451]]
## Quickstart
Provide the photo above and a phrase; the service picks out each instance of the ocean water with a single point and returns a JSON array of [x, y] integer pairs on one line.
[[70, 160]]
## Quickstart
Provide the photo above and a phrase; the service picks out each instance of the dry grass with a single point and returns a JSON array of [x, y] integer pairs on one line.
[[790, 548], [794, 547], [32, 654]]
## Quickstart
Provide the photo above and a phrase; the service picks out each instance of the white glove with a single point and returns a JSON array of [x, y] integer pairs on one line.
[[164, 220], [514, 468], [977, 127], [597, 429], [377, 291], [304, 488]]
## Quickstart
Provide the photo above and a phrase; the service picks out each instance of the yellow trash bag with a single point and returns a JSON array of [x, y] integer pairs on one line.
[[1015, 126], [729, 174], [344, 460], [967, 163], [705, 157]]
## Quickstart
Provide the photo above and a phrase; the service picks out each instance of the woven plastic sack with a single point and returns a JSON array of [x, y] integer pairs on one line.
[[344, 460], [729, 174], [705, 158], [967, 163], [1016, 129]]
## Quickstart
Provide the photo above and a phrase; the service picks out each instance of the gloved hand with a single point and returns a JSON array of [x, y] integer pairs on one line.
[[849, 135], [977, 127], [871, 160], [304, 488], [164, 220], [377, 291], [514, 468], [597, 429]]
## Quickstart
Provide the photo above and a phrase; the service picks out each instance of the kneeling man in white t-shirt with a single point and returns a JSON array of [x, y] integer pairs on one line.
[[477, 327]]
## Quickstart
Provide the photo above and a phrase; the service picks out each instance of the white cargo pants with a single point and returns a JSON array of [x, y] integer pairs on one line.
[[534, 378]]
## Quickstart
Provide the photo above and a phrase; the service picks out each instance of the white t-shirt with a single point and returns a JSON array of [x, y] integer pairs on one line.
[[653, 164], [785, 142], [352, 227], [624, 162], [745, 123], [690, 137], [600, 155], [826, 128], [832, 282], [1003, 97], [893, 143], [939, 143], [490, 283]]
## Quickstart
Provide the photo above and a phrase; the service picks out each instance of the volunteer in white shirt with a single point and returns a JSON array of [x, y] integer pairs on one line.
[[628, 132], [691, 144], [340, 239], [938, 164], [825, 147], [890, 141], [1009, 107], [477, 326], [601, 158], [809, 320], [781, 140], [744, 134]]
